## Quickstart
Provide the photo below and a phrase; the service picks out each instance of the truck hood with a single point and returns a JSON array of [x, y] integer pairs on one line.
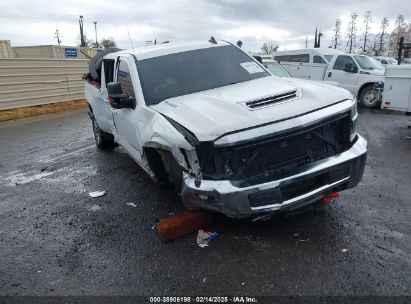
[[212, 113]]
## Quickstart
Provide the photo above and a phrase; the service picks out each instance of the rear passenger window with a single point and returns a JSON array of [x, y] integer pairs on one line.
[[124, 78], [341, 61], [293, 58], [318, 59]]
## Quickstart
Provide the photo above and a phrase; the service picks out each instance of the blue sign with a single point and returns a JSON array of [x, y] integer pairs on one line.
[[70, 52]]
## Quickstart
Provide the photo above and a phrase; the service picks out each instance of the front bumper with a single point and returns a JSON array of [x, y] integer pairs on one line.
[[306, 186]]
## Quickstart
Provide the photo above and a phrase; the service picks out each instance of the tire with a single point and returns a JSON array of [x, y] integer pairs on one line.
[[368, 99], [103, 139]]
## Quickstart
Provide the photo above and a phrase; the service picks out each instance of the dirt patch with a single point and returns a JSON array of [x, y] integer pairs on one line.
[[41, 109]]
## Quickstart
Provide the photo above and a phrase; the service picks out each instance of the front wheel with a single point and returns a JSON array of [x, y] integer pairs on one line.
[[103, 139], [369, 97]]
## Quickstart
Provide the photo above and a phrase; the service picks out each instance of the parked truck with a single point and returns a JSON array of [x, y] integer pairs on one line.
[[232, 138], [359, 74]]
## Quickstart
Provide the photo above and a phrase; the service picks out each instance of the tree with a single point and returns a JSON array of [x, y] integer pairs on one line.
[[399, 31], [108, 43], [269, 48], [239, 43], [352, 32], [383, 35], [87, 42], [367, 25], [336, 40]]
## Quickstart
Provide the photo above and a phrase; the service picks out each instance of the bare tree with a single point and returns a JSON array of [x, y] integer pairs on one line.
[[383, 35], [269, 48], [372, 44], [367, 26], [239, 43], [336, 40], [86, 42], [352, 32], [399, 31]]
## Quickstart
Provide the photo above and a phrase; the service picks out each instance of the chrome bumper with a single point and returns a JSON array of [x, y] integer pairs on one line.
[[224, 197]]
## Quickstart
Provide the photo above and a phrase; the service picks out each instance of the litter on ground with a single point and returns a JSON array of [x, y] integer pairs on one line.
[[204, 237], [131, 204], [97, 193], [344, 250]]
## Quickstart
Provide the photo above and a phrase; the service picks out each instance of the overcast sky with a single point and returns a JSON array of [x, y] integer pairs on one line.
[[31, 22]]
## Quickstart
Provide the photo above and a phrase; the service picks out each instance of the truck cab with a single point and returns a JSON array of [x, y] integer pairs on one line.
[[359, 74]]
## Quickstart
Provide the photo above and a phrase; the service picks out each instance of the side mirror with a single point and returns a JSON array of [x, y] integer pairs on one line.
[[118, 99]]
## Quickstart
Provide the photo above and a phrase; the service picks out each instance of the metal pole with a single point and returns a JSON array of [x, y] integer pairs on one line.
[[400, 50], [82, 42], [95, 28]]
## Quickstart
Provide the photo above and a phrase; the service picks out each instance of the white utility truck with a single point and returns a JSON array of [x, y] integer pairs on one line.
[[231, 137], [359, 74], [397, 92]]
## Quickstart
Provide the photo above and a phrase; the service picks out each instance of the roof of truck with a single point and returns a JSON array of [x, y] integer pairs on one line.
[[310, 50], [170, 48]]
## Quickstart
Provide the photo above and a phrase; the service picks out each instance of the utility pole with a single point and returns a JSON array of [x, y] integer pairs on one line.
[[58, 36], [82, 42], [95, 29], [306, 41], [315, 38]]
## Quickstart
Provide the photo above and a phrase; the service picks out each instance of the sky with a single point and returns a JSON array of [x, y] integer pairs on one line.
[[287, 23]]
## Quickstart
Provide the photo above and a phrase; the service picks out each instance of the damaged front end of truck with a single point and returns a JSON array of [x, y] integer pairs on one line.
[[280, 166]]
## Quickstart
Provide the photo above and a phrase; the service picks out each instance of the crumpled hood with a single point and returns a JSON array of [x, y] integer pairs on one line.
[[213, 113]]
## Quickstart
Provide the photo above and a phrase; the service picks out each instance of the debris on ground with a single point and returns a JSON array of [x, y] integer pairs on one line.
[[182, 223], [329, 198], [97, 193], [204, 237], [344, 250], [131, 204]]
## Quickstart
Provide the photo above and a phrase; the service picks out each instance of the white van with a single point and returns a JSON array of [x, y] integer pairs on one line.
[[359, 74], [306, 63]]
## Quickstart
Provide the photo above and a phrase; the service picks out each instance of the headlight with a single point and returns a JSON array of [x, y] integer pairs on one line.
[[354, 115], [353, 110]]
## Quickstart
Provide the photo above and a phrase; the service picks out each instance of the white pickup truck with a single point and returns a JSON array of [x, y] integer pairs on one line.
[[231, 137], [359, 74]]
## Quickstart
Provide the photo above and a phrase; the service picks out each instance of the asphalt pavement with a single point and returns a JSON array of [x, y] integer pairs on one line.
[[57, 240]]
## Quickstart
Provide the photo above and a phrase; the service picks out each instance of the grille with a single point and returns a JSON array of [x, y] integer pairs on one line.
[[281, 155], [266, 101]]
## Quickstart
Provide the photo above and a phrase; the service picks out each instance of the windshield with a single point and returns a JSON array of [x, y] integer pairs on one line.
[[328, 57], [184, 73], [276, 69], [367, 63]]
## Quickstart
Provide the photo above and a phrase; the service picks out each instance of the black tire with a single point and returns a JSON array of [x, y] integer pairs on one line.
[[368, 97], [103, 139]]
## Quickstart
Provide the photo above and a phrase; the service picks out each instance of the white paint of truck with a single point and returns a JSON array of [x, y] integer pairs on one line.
[[319, 64], [208, 114], [397, 90]]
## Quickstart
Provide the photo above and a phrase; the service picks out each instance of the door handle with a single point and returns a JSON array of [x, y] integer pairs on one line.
[[329, 74]]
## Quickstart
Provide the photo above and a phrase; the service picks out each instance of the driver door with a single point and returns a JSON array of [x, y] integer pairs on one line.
[[347, 80], [125, 121]]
